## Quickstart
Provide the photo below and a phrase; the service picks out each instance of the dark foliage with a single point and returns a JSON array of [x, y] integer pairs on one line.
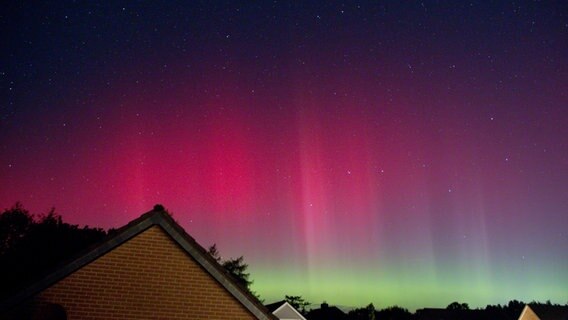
[[457, 306], [236, 267], [298, 303], [369, 313], [394, 313], [31, 246], [366, 313], [454, 311]]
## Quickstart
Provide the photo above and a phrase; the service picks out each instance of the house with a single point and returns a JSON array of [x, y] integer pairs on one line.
[[149, 269], [284, 311], [544, 312], [325, 312]]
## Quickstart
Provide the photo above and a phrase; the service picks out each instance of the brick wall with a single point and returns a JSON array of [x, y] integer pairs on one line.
[[148, 277]]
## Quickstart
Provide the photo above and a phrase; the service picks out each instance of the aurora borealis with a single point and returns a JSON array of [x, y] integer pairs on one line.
[[412, 154]]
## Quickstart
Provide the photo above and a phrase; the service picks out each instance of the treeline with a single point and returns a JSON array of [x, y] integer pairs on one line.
[[32, 245], [455, 310]]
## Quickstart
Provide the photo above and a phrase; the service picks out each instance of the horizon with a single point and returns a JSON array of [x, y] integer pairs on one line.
[[409, 154], [313, 304]]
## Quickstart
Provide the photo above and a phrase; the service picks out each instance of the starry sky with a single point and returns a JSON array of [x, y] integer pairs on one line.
[[410, 153]]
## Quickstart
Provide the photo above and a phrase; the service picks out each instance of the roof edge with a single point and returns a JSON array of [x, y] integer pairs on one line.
[[286, 303], [197, 252]]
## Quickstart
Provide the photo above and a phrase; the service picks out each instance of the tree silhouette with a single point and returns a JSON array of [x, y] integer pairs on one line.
[[514, 308], [298, 303], [457, 306], [14, 225], [236, 267], [366, 313], [31, 246], [394, 313]]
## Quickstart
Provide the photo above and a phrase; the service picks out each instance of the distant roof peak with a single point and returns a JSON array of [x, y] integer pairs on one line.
[[159, 207]]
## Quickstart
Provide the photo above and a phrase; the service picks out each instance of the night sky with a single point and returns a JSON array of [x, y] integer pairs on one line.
[[412, 154]]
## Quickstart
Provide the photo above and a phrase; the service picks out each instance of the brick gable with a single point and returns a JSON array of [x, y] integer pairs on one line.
[[150, 269], [148, 277]]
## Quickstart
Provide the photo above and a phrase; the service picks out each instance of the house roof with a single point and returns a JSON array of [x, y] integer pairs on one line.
[[326, 312], [547, 311], [275, 305], [280, 306], [157, 217]]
